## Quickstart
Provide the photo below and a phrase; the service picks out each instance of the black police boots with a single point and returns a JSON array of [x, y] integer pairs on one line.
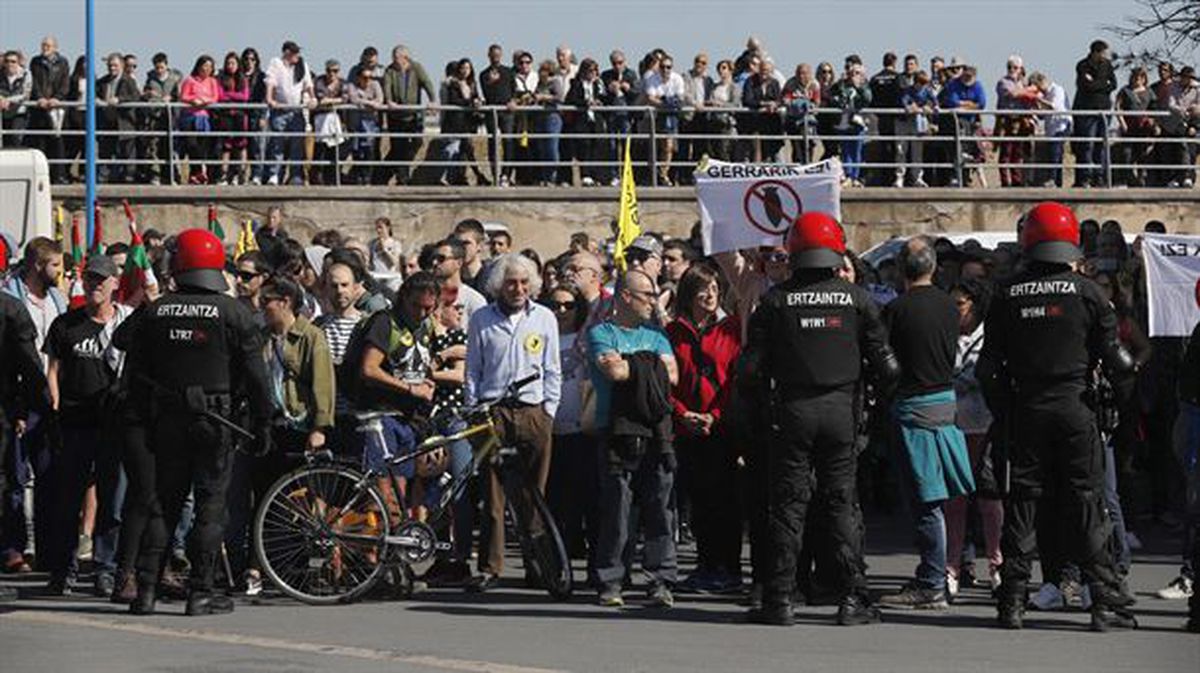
[[1011, 616], [1105, 618], [200, 604], [772, 614], [143, 604], [857, 610]]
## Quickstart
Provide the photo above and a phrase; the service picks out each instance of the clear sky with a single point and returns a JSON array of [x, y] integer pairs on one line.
[[1050, 34]]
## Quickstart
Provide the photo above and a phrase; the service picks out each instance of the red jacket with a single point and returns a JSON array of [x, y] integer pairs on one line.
[[706, 362]]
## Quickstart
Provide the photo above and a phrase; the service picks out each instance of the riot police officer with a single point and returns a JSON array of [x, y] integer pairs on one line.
[[188, 353], [1047, 329], [806, 345], [22, 384]]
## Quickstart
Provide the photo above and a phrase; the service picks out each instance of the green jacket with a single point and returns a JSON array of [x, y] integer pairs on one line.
[[308, 380], [405, 88]]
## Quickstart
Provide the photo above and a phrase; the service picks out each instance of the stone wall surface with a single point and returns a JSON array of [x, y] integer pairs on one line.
[[544, 218]]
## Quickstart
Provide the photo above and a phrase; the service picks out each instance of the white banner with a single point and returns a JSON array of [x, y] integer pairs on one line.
[[752, 205], [1173, 283]]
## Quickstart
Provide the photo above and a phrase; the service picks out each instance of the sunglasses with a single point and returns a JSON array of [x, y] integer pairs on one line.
[[561, 305], [776, 257], [438, 259], [247, 276]]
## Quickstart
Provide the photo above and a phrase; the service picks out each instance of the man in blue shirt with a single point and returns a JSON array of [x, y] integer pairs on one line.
[[647, 475], [508, 341]]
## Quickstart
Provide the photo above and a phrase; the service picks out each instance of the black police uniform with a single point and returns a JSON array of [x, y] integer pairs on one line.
[[1047, 329], [1189, 394], [22, 382], [189, 352], [808, 338]]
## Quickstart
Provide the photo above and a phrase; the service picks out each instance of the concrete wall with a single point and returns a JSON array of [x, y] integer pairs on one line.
[[545, 218]]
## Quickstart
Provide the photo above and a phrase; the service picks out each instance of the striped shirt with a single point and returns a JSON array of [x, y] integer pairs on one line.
[[337, 333]]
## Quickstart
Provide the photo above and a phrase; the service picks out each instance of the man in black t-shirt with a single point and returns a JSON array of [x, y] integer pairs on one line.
[[498, 85], [82, 371], [923, 332]]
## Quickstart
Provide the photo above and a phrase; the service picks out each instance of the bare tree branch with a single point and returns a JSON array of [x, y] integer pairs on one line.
[[1177, 22]]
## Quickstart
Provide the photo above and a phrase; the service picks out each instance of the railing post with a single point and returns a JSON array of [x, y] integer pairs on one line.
[[170, 144], [1, 130], [337, 155], [1108, 177], [653, 155], [958, 151], [496, 140], [804, 134]]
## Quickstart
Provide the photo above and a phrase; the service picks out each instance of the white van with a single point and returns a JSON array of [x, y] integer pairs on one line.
[[25, 211]]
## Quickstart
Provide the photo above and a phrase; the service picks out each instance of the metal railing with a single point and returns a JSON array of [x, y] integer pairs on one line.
[[958, 152]]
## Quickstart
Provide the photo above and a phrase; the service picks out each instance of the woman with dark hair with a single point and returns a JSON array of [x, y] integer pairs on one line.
[[460, 125], [1135, 97], [550, 94], [573, 486], [707, 343], [533, 255], [73, 143], [255, 119], [235, 89], [972, 297], [199, 90], [584, 93]]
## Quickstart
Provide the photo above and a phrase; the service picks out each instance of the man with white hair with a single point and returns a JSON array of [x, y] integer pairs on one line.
[[403, 82], [1012, 93], [510, 340]]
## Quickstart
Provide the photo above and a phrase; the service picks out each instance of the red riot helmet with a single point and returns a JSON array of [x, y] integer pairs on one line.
[[1051, 234], [199, 261], [816, 241]]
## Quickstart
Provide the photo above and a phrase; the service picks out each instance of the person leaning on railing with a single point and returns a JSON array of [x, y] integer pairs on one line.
[[199, 91], [1183, 102], [331, 91], [1055, 127], [585, 94], [725, 94], [161, 89], [1135, 96], [366, 93], [15, 86], [403, 82], [235, 91]]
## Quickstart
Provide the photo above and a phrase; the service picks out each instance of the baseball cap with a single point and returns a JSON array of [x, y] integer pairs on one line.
[[648, 244], [101, 265]]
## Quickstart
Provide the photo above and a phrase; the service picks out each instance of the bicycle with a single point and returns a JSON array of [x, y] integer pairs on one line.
[[324, 533]]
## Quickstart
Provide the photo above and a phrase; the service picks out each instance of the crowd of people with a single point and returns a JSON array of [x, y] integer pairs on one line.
[[562, 120], [680, 399]]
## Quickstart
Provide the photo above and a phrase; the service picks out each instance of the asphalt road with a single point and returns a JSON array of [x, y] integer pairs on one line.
[[517, 630]]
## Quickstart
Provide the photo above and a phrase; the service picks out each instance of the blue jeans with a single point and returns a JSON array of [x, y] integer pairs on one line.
[[931, 544], [1055, 156], [286, 121], [852, 154], [1112, 502], [551, 124], [1089, 148], [28, 460], [87, 450]]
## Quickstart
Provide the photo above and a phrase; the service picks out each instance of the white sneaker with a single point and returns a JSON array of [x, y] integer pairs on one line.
[[615, 182], [254, 584], [588, 182], [504, 181], [1179, 589], [899, 183], [1188, 184], [920, 184], [1134, 542], [273, 180], [1048, 597], [256, 180], [994, 579], [951, 587]]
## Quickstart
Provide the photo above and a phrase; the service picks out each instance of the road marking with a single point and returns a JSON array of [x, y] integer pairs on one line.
[[465, 665]]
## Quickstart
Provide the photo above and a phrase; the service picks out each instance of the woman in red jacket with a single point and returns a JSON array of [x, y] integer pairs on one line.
[[707, 343]]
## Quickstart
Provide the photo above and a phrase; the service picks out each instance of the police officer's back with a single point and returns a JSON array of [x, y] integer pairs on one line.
[[807, 341], [190, 352], [1047, 330]]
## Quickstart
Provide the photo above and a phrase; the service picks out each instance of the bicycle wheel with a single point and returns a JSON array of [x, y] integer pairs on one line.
[[320, 534], [541, 543]]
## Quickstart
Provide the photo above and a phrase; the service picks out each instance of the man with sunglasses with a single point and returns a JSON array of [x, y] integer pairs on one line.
[[15, 86], [82, 372], [448, 259], [620, 88]]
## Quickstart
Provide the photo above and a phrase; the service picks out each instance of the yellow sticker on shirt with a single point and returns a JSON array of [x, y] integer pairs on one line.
[[406, 338], [534, 344]]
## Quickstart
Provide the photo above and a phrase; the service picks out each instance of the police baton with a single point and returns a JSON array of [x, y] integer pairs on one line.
[[206, 413]]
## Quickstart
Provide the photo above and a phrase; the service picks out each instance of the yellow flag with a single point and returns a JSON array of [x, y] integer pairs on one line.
[[628, 226], [245, 241]]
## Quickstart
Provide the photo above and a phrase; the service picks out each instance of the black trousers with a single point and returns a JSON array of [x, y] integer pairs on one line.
[[51, 144], [709, 468], [573, 493], [817, 434], [191, 454], [1057, 459], [401, 149], [141, 496]]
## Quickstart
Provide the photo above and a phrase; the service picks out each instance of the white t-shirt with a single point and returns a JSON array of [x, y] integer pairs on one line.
[[673, 85], [471, 302], [287, 90]]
